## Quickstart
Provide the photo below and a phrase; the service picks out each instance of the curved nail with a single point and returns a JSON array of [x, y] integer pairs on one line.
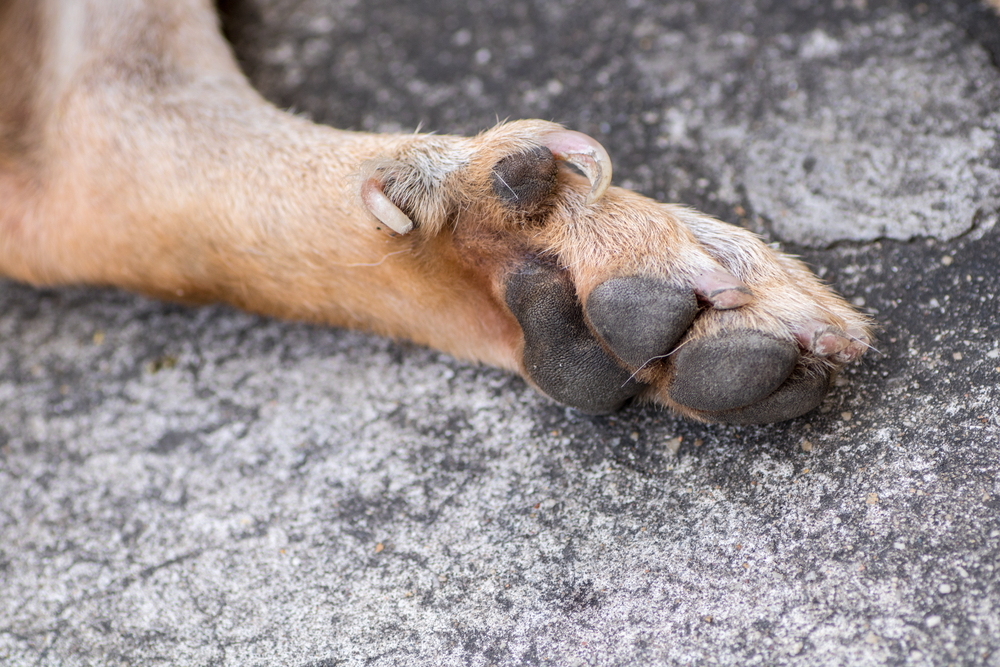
[[584, 152], [860, 342], [382, 208], [829, 341], [822, 339], [722, 289]]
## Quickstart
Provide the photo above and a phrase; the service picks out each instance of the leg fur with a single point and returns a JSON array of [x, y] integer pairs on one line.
[[152, 165], [134, 153]]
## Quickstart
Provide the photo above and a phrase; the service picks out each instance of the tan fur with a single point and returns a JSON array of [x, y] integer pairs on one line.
[[134, 153]]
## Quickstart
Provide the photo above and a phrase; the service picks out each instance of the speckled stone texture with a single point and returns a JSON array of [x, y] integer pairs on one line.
[[204, 487]]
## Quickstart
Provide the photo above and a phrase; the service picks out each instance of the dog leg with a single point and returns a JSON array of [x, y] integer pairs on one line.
[[138, 156]]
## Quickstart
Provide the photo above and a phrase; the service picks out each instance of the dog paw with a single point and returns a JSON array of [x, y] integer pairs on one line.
[[618, 296]]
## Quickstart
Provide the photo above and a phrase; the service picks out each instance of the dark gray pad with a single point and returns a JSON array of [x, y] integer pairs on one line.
[[640, 317], [730, 371], [561, 355], [525, 181], [794, 398]]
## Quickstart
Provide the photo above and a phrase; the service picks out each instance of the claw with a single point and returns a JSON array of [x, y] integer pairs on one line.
[[382, 207], [828, 341], [859, 345], [585, 153], [822, 339], [723, 290]]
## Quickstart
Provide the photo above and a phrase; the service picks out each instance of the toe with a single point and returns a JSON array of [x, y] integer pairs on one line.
[[730, 371], [561, 356], [640, 318]]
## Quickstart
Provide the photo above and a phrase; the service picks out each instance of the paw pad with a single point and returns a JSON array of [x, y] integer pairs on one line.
[[640, 318], [561, 355], [525, 181], [797, 396], [728, 372]]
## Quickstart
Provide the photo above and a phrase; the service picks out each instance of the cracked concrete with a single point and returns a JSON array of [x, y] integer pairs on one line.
[[201, 486]]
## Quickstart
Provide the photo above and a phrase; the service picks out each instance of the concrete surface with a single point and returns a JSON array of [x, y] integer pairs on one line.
[[203, 487]]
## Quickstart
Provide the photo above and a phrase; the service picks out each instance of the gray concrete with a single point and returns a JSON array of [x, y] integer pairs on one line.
[[204, 487]]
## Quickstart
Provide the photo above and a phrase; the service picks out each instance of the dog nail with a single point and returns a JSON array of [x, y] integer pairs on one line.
[[859, 343], [822, 339], [585, 153], [382, 208], [828, 341], [723, 290]]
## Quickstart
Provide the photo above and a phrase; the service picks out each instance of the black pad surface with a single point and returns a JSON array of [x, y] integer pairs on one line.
[[641, 317], [795, 397], [730, 371], [561, 355], [526, 180]]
